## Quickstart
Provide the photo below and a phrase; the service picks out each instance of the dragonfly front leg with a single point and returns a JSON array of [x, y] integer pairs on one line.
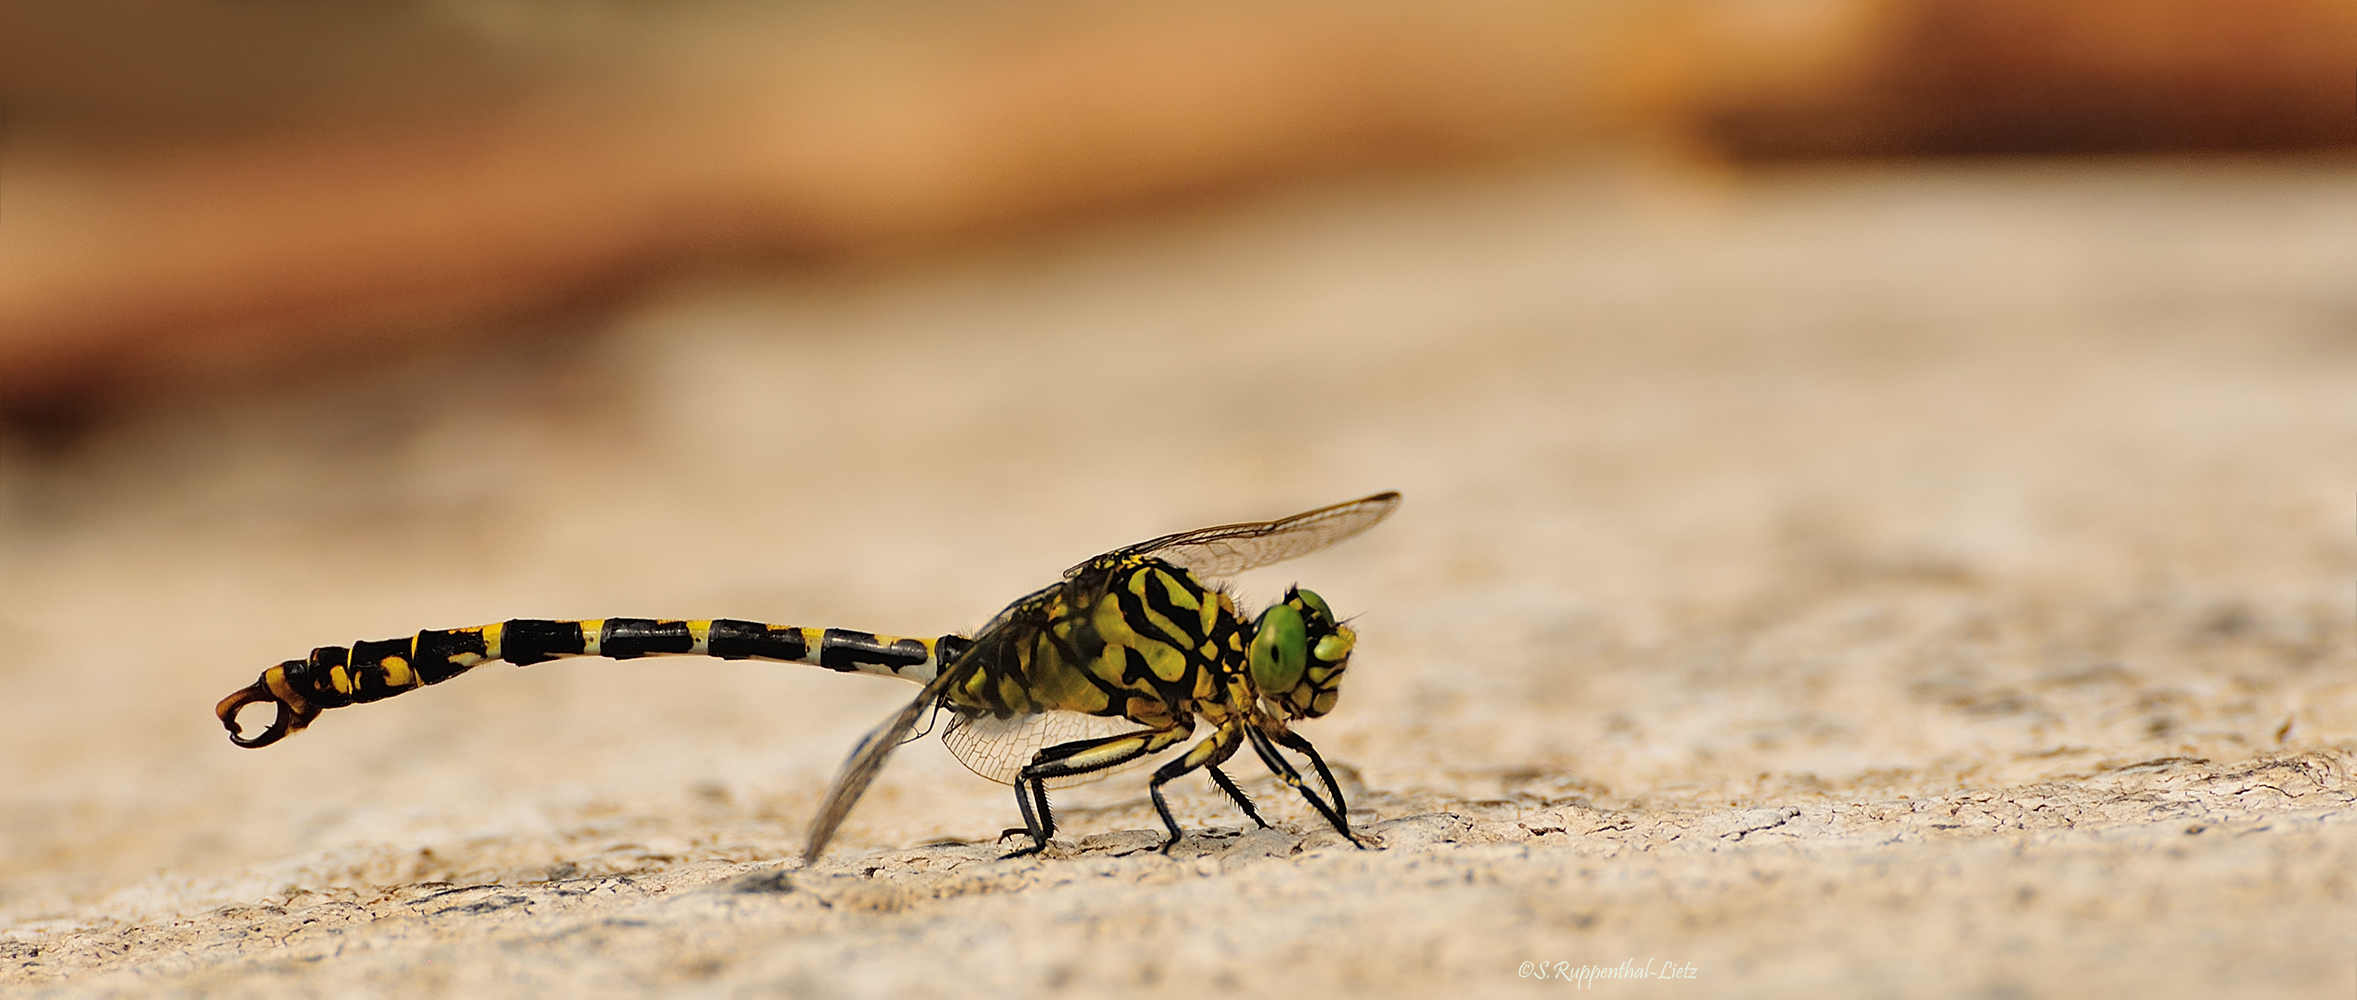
[[1235, 794], [1081, 757], [1295, 741], [1286, 773]]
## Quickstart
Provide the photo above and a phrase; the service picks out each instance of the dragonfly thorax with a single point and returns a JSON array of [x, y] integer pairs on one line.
[[1133, 637]]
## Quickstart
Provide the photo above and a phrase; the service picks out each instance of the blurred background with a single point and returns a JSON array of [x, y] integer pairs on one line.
[[198, 196], [1839, 398]]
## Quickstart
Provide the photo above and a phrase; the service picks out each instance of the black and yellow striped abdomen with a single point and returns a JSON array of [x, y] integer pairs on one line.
[[373, 670]]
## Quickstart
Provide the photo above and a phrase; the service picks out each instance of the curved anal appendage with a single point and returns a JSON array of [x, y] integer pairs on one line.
[[291, 717]]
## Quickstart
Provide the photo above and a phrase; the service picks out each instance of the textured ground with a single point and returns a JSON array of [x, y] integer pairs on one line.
[[1915, 583]]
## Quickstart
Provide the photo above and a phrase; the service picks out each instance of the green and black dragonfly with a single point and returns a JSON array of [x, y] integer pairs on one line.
[[1109, 666]]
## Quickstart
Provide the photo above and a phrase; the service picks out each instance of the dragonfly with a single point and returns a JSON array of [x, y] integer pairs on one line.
[[1121, 660]]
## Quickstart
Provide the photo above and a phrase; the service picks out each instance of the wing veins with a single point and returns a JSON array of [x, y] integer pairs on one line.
[[1217, 551], [1228, 549]]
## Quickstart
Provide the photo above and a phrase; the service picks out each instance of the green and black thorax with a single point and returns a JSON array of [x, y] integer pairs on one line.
[[1136, 637]]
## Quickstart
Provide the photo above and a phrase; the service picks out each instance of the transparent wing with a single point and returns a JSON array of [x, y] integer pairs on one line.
[[1233, 548], [868, 760], [1017, 623], [998, 748]]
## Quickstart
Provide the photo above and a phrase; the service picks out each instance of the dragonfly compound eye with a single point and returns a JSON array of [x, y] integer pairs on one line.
[[1311, 603], [1280, 650], [1298, 655]]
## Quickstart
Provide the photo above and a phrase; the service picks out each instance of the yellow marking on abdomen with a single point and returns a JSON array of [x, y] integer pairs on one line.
[[275, 679], [811, 638]]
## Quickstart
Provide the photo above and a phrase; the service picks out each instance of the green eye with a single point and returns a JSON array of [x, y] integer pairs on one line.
[[1316, 603], [1280, 649]]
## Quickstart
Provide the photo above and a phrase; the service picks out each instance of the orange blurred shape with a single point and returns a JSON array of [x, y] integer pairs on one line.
[[1970, 77], [184, 263]]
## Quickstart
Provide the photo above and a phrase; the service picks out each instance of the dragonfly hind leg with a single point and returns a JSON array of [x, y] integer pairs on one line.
[[1076, 758], [1040, 825]]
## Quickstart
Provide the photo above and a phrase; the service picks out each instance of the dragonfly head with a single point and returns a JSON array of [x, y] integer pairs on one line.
[[1298, 654]]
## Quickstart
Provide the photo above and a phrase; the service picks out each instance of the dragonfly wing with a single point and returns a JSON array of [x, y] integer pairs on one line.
[[869, 758], [1017, 623], [1233, 548], [998, 748]]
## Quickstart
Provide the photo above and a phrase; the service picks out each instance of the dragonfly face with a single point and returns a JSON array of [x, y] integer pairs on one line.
[[1298, 654]]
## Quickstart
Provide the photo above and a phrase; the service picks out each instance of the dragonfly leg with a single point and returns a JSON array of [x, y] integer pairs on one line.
[[1243, 801], [1286, 773], [1294, 741], [1040, 825], [1081, 757], [1208, 753]]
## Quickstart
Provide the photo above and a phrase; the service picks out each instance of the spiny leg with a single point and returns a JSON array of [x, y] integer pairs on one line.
[[1081, 757], [1286, 773], [1295, 742], [1040, 826], [1045, 823], [1243, 801], [1209, 753]]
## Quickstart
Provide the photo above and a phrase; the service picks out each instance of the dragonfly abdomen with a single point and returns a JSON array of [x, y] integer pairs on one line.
[[373, 670]]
